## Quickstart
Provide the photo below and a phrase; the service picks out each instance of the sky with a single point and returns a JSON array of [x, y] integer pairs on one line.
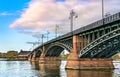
[[23, 21]]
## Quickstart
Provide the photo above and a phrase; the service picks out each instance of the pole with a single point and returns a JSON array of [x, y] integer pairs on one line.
[[103, 11], [72, 14], [71, 20], [47, 35], [42, 38], [56, 30]]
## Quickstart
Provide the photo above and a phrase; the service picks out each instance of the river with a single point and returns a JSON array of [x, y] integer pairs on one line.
[[32, 69]]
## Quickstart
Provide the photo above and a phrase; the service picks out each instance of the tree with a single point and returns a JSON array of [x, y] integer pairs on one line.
[[11, 54], [0, 54]]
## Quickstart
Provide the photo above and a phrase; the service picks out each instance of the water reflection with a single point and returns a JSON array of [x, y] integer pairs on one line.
[[89, 73], [63, 73], [54, 71], [63, 64], [35, 69], [49, 70], [116, 73], [17, 69], [116, 63]]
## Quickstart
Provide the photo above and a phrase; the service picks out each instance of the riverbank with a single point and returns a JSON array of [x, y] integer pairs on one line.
[[12, 59]]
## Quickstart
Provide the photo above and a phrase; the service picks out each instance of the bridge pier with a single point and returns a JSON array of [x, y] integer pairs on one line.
[[73, 62], [86, 63], [34, 56], [29, 57], [41, 59], [72, 59]]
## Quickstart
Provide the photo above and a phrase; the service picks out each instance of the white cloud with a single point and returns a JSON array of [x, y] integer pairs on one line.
[[45, 14], [5, 14]]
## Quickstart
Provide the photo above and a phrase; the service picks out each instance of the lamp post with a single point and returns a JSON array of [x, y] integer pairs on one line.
[[42, 38], [103, 11], [56, 30], [47, 35], [72, 15]]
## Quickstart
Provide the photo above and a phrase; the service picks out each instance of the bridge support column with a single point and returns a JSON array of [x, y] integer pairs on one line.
[[29, 57], [34, 56], [73, 60], [41, 60]]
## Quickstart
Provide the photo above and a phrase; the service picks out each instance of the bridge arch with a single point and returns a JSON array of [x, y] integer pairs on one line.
[[55, 49], [38, 53]]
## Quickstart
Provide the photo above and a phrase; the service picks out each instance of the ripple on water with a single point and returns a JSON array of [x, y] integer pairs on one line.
[[17, 69]]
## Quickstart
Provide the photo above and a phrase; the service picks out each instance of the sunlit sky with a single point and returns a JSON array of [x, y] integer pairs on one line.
[[21, 19]]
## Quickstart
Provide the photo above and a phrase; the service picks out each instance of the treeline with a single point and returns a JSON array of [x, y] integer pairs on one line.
[[9, 54]]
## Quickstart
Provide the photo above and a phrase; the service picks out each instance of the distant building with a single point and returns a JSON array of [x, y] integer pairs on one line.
[[23, 54]]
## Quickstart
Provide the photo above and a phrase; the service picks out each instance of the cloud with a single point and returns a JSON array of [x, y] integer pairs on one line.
[[45, 14], [5, 14]]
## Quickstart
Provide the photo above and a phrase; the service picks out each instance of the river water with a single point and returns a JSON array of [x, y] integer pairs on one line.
[[32, 69]]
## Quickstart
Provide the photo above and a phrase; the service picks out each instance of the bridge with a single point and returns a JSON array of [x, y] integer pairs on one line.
[[98, 41]]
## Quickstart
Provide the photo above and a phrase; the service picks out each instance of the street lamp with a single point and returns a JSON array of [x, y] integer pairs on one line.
[[102, 9], [47, 35], [56, 29], [42, 38], [72, 14]]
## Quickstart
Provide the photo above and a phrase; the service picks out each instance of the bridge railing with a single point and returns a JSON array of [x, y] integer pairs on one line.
[[99, 40]]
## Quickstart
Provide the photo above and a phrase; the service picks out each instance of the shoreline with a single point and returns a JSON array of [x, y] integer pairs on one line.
[[12, 59]]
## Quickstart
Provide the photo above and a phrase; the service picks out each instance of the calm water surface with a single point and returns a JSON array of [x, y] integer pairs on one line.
[[28, 69]]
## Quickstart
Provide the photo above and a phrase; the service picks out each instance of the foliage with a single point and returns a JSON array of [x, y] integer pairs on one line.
[[11, 54]]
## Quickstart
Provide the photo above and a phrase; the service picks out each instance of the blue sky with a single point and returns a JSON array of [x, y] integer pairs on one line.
[[10, 39], [21, 19]]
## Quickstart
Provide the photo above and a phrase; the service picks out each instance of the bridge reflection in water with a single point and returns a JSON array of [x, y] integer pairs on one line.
[[53, 70], [27, 69]]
